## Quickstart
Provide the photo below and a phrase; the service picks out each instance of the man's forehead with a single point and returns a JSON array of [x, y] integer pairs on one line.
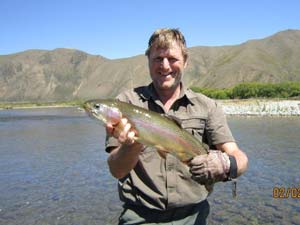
[[165, 45], [173, 48]]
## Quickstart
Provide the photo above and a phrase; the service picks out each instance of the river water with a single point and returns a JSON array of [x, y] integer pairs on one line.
[[53, 170]]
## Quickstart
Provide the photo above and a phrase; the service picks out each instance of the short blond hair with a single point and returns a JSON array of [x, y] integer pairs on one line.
[[163, 38]]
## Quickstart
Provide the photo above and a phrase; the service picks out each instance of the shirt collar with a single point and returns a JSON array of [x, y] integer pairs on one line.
[[184, 92]]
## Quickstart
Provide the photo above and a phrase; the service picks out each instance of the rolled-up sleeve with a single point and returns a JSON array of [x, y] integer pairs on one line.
[[217, 127]]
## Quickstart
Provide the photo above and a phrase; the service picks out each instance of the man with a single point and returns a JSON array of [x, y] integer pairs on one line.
[[165, 190]]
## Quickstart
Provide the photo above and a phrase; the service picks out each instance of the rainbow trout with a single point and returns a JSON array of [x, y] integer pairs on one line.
[[153, 129]]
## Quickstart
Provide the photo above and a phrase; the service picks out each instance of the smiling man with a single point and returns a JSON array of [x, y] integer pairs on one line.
[[158, 190]]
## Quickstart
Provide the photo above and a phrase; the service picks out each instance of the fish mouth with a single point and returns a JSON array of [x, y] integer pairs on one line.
[[88, 111], [89, 108]]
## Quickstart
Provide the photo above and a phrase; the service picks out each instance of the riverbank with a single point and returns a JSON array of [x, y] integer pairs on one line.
[[245, 107], [261, 107], [32, 105]]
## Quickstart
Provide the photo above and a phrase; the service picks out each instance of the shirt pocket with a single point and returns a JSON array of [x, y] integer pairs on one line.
[[195, 125]]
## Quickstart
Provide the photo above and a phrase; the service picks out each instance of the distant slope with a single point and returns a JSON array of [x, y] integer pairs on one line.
[[67, 74], [273, 59]]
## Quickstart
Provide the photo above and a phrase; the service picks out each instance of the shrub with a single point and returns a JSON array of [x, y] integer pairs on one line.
[[253, 90]]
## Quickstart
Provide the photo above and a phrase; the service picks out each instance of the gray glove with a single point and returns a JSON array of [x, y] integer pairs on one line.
[[210, 168]]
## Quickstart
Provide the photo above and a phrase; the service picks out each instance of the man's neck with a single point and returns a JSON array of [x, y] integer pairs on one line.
[[168, 97]]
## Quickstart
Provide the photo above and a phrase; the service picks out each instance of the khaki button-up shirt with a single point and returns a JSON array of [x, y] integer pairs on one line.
[[159, 183]]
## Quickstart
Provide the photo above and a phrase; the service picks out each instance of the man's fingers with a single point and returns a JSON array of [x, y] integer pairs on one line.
[[121, 131], [126, 136], [198, 160], [123, 122], [109, 129], [200, 168], [131, 135], [130, 138]]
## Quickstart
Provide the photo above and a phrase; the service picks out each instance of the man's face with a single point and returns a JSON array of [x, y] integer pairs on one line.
[[166, 67]]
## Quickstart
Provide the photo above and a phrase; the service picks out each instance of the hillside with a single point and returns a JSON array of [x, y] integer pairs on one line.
[[273, 59], [67, 74]]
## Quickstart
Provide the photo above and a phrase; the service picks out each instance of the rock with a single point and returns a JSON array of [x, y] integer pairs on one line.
[[262, 107]]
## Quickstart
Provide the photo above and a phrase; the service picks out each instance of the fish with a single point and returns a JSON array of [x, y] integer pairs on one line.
[[151, 128]]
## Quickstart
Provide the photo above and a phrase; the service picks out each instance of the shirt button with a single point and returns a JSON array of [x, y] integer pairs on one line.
[[170, 167], [171, 189]]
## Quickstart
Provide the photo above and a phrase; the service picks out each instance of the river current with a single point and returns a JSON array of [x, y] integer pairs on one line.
[[53, 170]]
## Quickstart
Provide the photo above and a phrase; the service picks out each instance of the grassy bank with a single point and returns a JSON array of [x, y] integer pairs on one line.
[[20, 105], [254, 90]]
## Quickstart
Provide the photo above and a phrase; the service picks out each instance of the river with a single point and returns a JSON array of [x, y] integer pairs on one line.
[[53, 170]]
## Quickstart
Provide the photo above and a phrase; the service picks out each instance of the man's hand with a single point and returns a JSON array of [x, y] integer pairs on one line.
[[122, 159], [210, 168], [122, 131]]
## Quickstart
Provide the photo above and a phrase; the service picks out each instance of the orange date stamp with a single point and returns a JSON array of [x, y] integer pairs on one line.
[[286, 192]]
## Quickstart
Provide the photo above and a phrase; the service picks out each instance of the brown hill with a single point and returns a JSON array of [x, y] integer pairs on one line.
[[67, 74], [273, 59]]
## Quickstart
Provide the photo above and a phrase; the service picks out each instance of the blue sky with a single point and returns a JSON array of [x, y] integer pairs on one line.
[[120, 28]]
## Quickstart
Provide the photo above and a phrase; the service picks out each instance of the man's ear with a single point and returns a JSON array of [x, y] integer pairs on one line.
[[185, 64]]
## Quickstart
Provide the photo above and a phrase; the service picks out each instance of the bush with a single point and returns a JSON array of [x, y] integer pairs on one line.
[[214, 93], [253, 90]]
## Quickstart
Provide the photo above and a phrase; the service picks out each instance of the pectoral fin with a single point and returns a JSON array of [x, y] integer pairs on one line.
[[162, 154], [161, 151]]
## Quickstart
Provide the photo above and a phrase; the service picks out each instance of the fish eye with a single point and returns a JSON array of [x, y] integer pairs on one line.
[[97, 106]]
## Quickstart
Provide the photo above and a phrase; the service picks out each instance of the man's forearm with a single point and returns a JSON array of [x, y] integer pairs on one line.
[[241, 161], [123, 159], [231, 148]]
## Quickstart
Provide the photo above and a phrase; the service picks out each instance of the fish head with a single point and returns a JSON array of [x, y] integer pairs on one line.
[[103, 110]]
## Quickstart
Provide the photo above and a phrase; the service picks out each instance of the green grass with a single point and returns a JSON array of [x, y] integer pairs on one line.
[[16, 105], [286, 90]]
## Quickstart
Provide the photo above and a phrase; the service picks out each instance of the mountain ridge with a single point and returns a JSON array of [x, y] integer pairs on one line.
[[67, 74]]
